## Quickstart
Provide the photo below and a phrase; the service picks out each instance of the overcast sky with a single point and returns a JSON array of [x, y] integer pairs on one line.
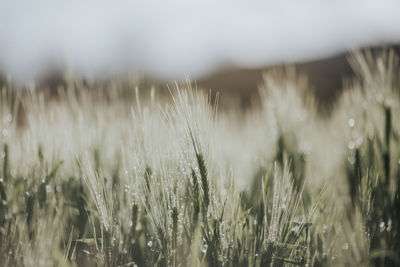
[[172, 39]]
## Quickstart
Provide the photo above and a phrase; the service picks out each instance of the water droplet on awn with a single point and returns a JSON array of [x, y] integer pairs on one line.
[[351, 122]]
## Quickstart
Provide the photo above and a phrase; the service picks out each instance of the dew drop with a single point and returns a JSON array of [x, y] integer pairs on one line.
[[351, 122], [359, 141], [382, 226], [351, 145], [150, 244], [4, 132]]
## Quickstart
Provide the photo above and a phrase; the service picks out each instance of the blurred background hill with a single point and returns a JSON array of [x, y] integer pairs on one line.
[[325, 77], [239, 86]]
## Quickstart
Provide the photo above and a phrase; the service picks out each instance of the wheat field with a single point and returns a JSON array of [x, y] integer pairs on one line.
[[126, 176]]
